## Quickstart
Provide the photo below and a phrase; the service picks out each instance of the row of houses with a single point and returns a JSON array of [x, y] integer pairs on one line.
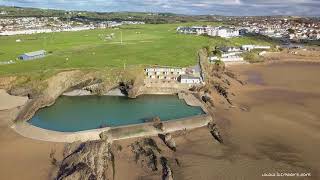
[[292, 29], [233, 54], [191, 75], [164, 72], [220, 31], [34, 25], [45, 30]]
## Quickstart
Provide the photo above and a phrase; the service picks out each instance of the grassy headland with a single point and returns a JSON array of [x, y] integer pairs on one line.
[[98, 49]]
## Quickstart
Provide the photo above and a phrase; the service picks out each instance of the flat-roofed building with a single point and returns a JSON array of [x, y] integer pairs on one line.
[[168, 73], [251, 47], [33, 55], [189, 79], [232, 57], [227, 49]]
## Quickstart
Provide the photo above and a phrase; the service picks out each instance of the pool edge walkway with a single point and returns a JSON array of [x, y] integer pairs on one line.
[[118, 133]]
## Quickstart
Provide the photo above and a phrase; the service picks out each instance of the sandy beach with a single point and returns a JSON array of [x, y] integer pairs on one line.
[[8, 102], [280, 131], [22, 158]]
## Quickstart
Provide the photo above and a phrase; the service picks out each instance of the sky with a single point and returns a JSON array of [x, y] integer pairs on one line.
[[192, 7]]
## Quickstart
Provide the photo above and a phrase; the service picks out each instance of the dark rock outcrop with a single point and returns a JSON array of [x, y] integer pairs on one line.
[[234, 76], [146, 153], [104, 136], [205, 98], [166, 170], [169, 141], [222, 91], [89, 85], [215, 132], [151, 158], [132, 88], [125, 87], [23, 91], [157, 123], [89, 160]]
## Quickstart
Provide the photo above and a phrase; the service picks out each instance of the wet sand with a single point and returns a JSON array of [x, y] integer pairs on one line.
[[23, 158], [281, 130]]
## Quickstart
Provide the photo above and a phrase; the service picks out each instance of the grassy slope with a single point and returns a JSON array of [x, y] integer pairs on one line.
[[143, 45]]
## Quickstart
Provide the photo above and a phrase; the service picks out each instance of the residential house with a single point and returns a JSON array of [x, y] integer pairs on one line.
[[251, 47], [229, 49], [231, 57]]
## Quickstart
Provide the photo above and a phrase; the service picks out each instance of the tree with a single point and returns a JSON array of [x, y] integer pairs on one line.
[[217, 53], [291, 31]]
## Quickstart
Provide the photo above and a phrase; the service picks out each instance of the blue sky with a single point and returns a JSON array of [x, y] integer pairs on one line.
[[220, 7]]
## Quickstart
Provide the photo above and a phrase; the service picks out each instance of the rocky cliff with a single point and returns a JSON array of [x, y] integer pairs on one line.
[[57, 85]]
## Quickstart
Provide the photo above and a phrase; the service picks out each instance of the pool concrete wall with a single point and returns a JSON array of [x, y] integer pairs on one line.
[[124, 132]]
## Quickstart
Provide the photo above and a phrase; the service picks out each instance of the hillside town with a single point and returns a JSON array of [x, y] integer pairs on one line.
[[34, 25], [274, 27], [282, 28]]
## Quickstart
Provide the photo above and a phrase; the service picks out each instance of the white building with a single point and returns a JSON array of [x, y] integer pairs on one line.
[[187, 79], [230, 49], [198, 30], [251, 47], [227, 33], [224, 32], [267, 31], [168, 73], [232, 57], [227, 59]]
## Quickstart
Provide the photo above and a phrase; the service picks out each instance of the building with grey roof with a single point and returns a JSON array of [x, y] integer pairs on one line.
[[33, 55], [189, 79]]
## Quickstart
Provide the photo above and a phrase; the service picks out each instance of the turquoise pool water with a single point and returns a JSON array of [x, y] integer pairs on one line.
[[70, 114]]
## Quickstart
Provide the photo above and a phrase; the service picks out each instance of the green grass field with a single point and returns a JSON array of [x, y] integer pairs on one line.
[[142, 45]]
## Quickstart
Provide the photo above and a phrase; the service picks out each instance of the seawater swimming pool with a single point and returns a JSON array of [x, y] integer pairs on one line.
[[71, 114]]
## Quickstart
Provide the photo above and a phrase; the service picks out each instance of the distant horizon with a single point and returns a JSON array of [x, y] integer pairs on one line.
[[75, 10], [305, 8]]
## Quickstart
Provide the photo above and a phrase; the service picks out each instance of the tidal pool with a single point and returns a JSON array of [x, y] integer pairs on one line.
[[71, 114]]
